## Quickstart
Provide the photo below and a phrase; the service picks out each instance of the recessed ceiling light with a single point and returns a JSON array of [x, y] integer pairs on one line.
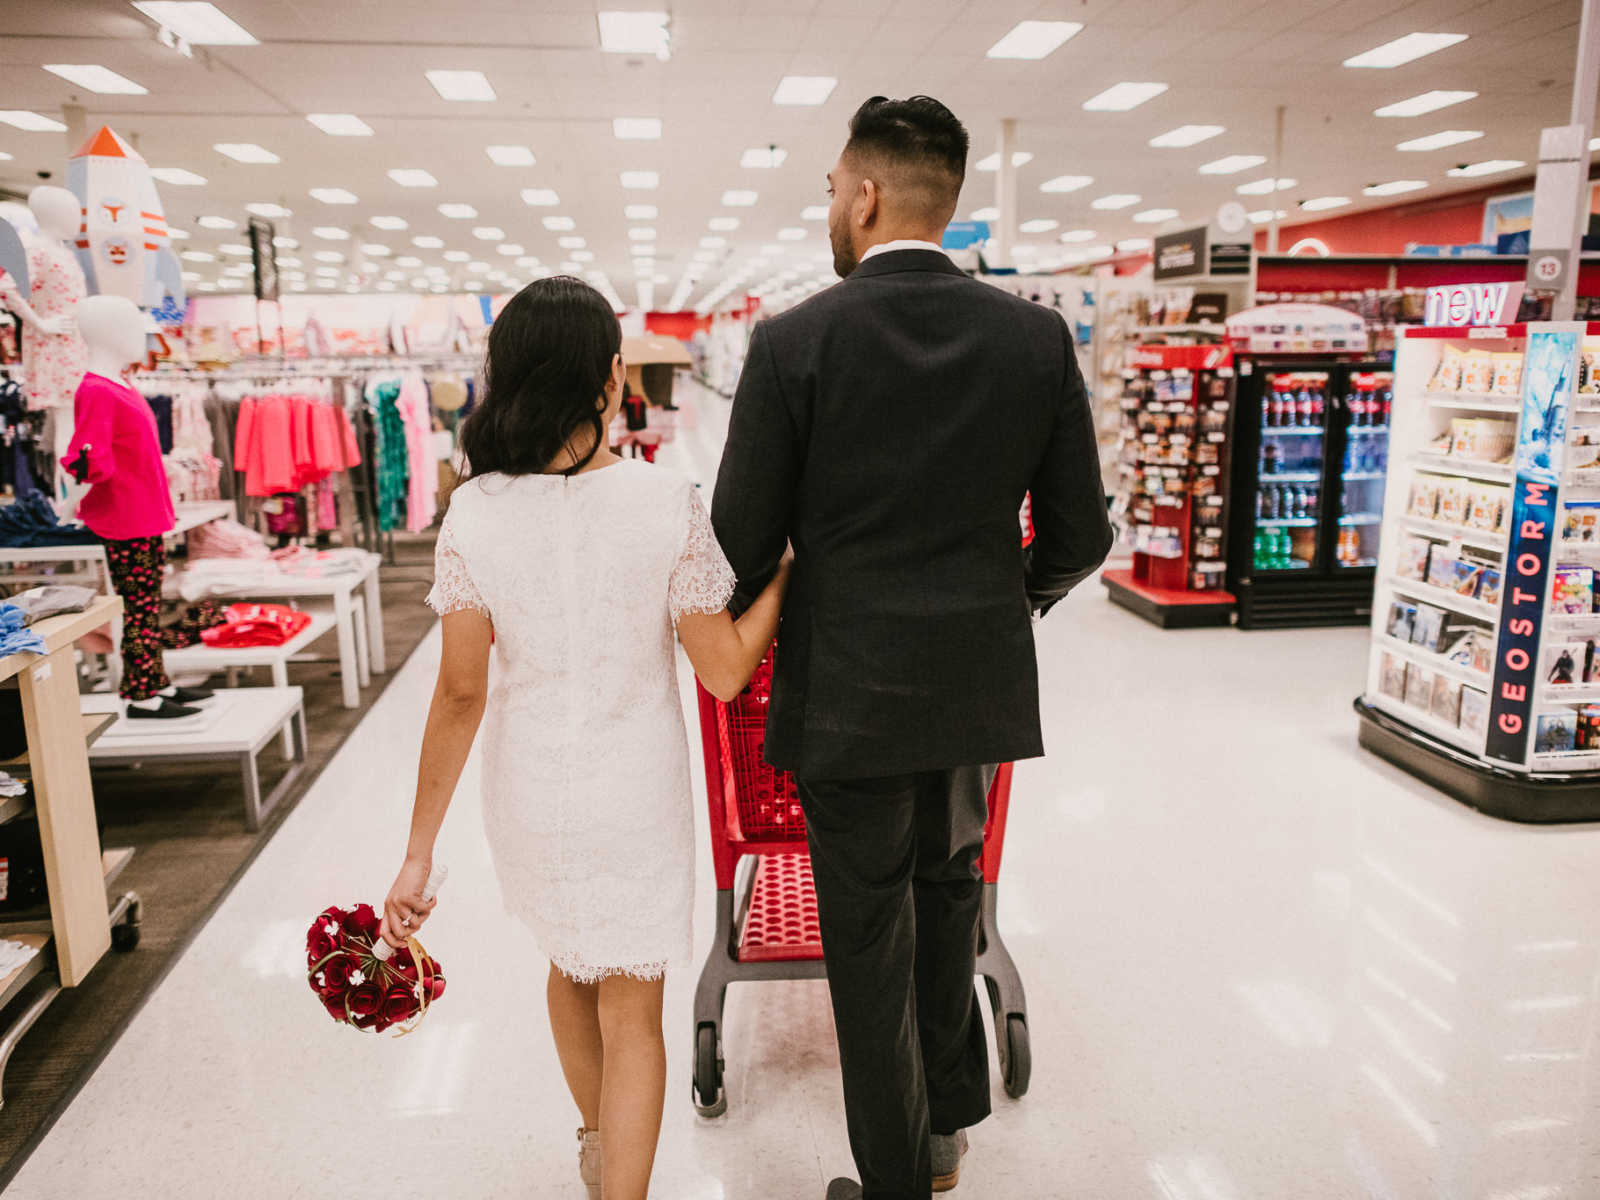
[[217, 223], [635, 33], [1232, 164], [1186, 135], [387, 222], [510, 156], [528, 260], [198, 23], [1033, 39], [462, 85], [791, 233], [1322, 202], [1265, 187], [285, 243], [331, 233], [763, 157], [32, 122], [704, 256], [273, 212], [246, 152], [1394, 187], [1437, 141], [408, 261], [198, 256], [1116, 200], [738, 198], [1406, 49], [640, 181], [1123, 96], [427, 243], [1078, 235], [413, 177], [572, 242], [583, 256], [489, 233], [333, 195], [288, 260], [989, 213], [713, 243], [1040, 225], [328, 256], [456, 256], [1154, 216], [1066, 183], [340, 124], [509, 249], [1262, 215], [814, 212], [374, 250], [636, 129], [177, 176], [1489, 166], [1019, 158], [94, 78], [641, 233], [178, 235], [1099, 251], [640, 212], [559, 224], [1129, 245], [804, 89], [723, 224], [1427, 102], [458, 212]]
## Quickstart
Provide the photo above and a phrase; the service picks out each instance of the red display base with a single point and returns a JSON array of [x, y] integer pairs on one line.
[[1169, 608]]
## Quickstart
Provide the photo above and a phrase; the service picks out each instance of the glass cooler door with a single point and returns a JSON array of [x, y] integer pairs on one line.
[[1368, 395], [1294, 431]]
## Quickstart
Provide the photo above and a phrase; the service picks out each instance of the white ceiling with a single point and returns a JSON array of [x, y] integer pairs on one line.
[[1228, 62]]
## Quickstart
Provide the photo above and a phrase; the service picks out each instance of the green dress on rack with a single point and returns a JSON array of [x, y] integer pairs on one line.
[[393, 464]]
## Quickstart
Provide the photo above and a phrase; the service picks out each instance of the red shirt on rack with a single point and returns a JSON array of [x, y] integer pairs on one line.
[[129, 496]]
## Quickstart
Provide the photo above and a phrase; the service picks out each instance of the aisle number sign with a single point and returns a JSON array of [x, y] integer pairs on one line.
[[1541, 446], [1468, 304]]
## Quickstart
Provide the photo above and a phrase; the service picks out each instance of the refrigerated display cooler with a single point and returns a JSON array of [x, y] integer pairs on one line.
[[1311, 449], [1484, 670]]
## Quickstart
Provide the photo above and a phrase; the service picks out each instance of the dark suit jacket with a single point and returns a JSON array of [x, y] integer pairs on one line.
[[890, 427]]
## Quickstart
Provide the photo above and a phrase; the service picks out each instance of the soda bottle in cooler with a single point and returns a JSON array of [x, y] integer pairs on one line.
[[1385, 403], [1319, 408], [1278, 405], [1303, 403]]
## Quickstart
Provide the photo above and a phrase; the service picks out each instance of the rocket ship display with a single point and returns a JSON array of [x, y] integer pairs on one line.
[[123, 246]]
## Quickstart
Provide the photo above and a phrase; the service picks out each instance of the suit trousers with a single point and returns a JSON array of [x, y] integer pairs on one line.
[[899, 894]]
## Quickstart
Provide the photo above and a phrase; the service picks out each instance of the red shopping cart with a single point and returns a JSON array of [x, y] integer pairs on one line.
[[772, 932]]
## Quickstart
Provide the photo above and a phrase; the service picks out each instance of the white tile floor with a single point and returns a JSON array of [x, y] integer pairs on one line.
[[1260, 964]]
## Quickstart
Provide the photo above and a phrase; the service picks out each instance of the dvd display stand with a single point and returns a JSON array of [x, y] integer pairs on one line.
[[1484, 672]]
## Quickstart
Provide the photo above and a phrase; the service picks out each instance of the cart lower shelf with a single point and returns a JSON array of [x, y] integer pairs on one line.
[[1547, 798]]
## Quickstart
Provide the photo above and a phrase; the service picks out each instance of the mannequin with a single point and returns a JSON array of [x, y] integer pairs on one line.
[[52, 350], [116, 450]]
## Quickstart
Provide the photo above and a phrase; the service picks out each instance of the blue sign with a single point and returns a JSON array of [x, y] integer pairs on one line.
[[958, 235], [1541, 449]]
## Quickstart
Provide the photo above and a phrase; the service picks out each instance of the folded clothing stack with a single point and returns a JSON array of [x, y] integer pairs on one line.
[[256, 625], [51, 601], [32, 522], [226, 539], [15, 637]]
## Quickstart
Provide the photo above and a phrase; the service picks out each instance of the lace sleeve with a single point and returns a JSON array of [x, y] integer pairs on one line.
[[453, 589], [702, 581]]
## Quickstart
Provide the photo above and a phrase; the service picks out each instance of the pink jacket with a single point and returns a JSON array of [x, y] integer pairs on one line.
[[129, 497]]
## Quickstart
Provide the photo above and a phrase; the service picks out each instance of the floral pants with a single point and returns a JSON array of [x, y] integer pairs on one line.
[[136, 569]]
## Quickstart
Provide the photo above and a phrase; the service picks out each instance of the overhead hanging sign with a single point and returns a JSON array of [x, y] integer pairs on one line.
[[1178, 255], [1557, 190], [958, 235], [1541, 446], [264, 257], [1469, 304]]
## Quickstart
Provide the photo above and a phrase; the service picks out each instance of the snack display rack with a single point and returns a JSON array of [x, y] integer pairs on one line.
[[1484, 672], [1171, 499]]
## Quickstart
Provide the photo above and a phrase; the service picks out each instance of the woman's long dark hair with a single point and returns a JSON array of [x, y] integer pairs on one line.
[[550, 354]]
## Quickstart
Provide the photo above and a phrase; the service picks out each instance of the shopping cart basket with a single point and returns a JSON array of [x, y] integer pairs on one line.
[[756, 814]]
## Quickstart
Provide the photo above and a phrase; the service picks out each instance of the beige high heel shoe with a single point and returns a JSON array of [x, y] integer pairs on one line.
[[589, 1160]]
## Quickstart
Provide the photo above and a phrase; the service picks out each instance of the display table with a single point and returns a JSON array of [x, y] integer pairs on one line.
[[238, 725], [194, 513]]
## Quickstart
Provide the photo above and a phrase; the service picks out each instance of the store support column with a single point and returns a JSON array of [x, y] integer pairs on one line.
[[1586, 78], [1005, 195]]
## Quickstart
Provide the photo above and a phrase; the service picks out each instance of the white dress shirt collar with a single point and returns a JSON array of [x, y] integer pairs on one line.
[[902, 244]]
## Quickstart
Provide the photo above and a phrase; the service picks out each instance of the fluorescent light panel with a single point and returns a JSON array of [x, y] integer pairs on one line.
[[763, 157], [458, 212], [640, 181], [1265, 187], [489, 233], [1427, 102], [217, 223], [510, 156], [1116, 200], [635, 33], [331, 233], [804, 89], [1153, 216], [388, 222], [426, 242], [988, 213], [340, 124], [559, 224], [1489, 166], [1066, 183], [540, 197], [814, 212], [1019, 158], [467, 86], [1405, 49], [1394, 187], [791, 233], [1232, 164], [198, 23], [1040, 225], [273, 212], [246, 152], [1078, 235], [334, 195], [1033, 39], [1186, 135], [723, 224], [1445, 137], [413, 177], [640, 212], [1324, 202], [739, 198], [1123, 96], [177, 176], [94, 78]]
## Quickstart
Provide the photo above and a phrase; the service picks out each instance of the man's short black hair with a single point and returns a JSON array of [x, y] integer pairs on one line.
[[918, 132]]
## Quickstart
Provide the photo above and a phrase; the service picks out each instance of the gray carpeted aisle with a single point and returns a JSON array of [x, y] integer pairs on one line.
[[187, 825]]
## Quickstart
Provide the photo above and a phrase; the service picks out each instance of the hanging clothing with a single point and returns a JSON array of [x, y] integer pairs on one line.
[[116, 431], [423, 485], [393, 458], [54, 362], [137, 566]]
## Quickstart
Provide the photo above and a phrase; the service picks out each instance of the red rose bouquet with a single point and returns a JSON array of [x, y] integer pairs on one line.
[[361, 980]]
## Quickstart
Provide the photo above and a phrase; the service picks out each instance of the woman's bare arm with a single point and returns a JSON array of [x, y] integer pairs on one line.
[[725, 652], [453, 718]]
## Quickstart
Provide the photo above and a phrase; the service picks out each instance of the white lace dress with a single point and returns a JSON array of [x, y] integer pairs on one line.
[[586, 796]]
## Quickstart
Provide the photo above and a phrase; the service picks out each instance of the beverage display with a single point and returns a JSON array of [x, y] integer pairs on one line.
[[1369, 398], [1294, 414]]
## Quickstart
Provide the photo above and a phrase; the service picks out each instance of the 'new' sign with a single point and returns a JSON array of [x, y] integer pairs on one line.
[[1467, 304]]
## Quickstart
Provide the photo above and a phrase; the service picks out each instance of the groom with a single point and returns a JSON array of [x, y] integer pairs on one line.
[[890, 427]]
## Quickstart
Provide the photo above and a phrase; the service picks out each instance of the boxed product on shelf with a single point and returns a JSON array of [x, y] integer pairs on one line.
[[1442, 569], [1557, 732], [1489, 585], [1474, 710], [1402, 620], [1468, 646], [1589, 369], [1452, 501], [1446, 701], [1482, 439], [1572, 590], [1413, 560], [1425, 491], [1419, 687], [1392, 676], [1427, 626], [1447, 375], [1583, 521], [1587, 734], [1486, 505], [1477, 372], [1508, 373], [1469, 569], [1591, 672], [1567, 662]]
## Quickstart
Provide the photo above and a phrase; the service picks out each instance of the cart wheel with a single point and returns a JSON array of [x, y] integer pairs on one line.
[[710, 1100], [125, 937], [1016, 1059]]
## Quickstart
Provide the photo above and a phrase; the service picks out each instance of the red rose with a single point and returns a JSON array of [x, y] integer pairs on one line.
[[403, 965], [335, 1006], [332, 913], [435, 988], [336, 973], [319, 942], [366, 1005], [399, 1005], [362, 921]]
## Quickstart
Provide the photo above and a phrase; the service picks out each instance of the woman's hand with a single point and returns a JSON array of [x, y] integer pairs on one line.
[[405, 910]]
